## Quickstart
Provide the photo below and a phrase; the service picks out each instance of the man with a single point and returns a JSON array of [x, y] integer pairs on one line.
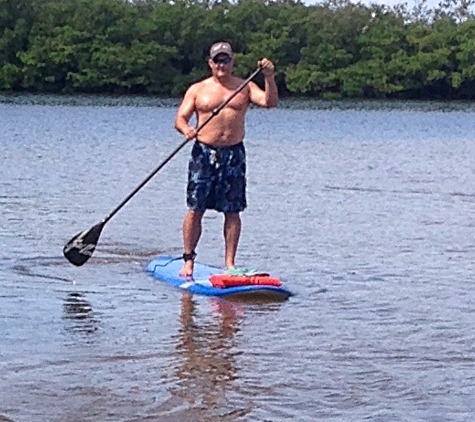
[[217, 167]]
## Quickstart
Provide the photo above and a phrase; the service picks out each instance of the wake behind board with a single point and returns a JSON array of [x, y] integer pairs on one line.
[[166, 268]]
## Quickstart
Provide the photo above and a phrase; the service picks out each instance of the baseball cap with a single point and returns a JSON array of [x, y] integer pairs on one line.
[[220, 48]]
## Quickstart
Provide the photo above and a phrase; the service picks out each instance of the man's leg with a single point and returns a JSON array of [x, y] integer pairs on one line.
[[191, 237], [232, 232]]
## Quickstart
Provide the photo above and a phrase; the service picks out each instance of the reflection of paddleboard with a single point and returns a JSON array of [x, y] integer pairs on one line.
[[166, 268]]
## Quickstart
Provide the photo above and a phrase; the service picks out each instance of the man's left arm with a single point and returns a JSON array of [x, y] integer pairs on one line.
[[269, 97]]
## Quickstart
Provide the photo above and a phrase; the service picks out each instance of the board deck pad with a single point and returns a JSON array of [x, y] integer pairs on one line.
[[166, 269]]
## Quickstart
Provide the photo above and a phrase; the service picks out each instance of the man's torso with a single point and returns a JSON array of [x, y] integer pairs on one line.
[[227, 127]]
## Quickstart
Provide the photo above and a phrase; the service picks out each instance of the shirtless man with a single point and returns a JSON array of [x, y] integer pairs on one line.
[[217, 166]]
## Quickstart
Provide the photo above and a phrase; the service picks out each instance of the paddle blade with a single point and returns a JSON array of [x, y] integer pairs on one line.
[[81, 247]]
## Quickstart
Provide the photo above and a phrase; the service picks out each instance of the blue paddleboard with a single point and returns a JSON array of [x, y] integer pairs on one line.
[[166, 268]]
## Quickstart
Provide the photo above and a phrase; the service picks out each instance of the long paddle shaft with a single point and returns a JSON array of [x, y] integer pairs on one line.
[[81, 247]]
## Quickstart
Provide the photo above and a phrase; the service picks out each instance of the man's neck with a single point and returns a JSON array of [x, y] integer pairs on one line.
[[223, 80]]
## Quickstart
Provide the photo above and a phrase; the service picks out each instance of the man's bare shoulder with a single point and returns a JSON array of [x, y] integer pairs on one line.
[[195, 87], [209, 83], [236, 82]]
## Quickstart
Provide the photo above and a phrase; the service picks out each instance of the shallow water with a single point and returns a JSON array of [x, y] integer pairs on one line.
[[366, 214]]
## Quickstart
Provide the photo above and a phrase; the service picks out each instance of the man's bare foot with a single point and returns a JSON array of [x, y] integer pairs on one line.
[[187, 270]]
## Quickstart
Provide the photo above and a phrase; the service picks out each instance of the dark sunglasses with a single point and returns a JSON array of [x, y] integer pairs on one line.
[[222, 60]]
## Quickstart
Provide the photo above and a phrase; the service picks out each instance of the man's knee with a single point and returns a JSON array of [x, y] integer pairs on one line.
[[195, 214], [232, 216]]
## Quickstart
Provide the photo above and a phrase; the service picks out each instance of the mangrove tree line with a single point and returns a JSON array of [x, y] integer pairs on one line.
[[331, 50]]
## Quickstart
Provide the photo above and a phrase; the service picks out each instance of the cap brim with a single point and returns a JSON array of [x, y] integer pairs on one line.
[[217, 53]]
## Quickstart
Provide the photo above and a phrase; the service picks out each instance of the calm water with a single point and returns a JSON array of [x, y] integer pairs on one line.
[[367, 215]]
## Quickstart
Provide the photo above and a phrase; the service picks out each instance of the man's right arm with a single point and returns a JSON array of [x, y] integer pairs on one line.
[[269, 97], [184, 113]]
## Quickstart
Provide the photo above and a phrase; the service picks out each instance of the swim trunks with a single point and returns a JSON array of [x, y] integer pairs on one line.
[[217, 178]]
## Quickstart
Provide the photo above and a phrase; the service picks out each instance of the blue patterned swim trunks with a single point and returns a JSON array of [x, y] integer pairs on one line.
[[217, 178]]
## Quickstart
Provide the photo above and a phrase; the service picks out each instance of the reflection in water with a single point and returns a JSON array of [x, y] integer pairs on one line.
[[207, 368], [78, 314], [27, 271], [5, 419]]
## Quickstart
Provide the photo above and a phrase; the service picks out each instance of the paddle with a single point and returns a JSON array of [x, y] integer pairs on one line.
[[81, 247]]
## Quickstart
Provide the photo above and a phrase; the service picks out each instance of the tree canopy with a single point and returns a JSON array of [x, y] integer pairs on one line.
[[336, 49]]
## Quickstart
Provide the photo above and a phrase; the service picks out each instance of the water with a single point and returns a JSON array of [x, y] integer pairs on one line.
[[367, 215]]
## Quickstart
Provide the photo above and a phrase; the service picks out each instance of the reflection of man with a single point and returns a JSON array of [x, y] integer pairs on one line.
[[78, 312], [208, 367]]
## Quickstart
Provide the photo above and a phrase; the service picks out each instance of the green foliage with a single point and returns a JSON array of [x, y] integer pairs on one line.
[[307, 79], [331, 50], [466, 53]]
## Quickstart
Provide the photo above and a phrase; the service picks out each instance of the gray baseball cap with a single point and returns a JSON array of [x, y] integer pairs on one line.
[[220, 48]]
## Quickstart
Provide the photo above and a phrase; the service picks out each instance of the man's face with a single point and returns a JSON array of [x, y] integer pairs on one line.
[[221, 65]]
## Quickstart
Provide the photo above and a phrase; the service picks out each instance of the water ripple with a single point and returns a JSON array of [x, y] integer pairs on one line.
[[366, 214]]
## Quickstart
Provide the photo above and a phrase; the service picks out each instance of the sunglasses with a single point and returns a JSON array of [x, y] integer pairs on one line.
[[222, 60]]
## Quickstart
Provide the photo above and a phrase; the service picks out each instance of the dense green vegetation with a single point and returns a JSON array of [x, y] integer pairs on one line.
[[332, 50]]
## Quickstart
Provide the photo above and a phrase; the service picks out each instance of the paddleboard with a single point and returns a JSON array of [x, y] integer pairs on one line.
[[166, 269]]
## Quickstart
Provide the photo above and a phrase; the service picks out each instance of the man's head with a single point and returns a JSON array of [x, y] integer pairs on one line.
[[220, 48], [221, 59]]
